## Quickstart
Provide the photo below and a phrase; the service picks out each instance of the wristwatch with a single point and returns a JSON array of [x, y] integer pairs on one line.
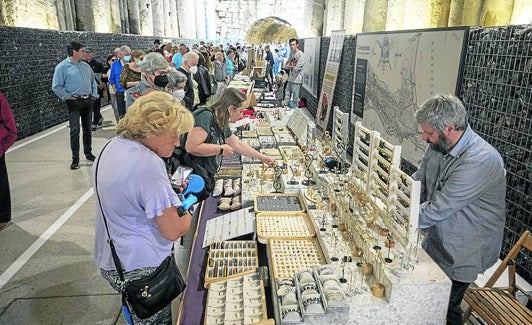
[[221, 150], [181, 212]]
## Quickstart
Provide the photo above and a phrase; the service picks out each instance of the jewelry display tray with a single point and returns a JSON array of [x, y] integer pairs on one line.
[[288, 256], [239, 300], [283, 226], [229, 259], [280, 203]]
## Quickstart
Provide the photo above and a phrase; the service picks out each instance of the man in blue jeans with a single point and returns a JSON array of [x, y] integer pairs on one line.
[[74, 83], [295, 63]]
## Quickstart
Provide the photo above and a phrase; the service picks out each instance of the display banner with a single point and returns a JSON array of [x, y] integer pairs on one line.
[[329, 78], [312, 65]]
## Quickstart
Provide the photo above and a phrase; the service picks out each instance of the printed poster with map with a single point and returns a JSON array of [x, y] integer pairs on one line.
[[334, 56], [395, 72]]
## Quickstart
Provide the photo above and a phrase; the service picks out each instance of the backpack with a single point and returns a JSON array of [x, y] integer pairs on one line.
[[180, 157]]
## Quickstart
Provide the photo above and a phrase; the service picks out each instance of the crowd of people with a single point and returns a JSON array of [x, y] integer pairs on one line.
[[158, 97], [173, 96]]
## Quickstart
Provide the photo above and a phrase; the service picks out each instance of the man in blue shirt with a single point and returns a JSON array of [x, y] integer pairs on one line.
[[463, 190], [74, 83], [114, 79]]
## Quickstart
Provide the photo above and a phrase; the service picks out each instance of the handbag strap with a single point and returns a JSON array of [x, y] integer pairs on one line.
[[116, 260]]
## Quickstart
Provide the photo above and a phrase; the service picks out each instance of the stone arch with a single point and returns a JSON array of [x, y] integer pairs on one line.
[[270, 29]]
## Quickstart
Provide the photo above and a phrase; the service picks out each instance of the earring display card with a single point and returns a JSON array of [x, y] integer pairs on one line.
[[282, 203], [239, 300], [264, 131], [267, 141], [249, 133], [273, 152], [253, 142], [285, 139], [226, 172], [274, 226], [228, 226], [228, 259], [289, 256]]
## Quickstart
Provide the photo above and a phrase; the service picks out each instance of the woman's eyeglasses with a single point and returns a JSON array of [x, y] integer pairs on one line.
[[113, 60]]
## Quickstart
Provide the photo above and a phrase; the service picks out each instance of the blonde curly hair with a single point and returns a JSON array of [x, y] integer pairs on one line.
[[153, 114]]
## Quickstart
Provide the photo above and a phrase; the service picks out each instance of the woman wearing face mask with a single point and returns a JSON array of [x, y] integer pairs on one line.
[[176, 84], [130, 75], [153, 76]]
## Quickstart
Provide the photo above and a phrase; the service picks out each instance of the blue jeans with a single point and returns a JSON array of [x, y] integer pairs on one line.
[[291, 96], [80, 108]]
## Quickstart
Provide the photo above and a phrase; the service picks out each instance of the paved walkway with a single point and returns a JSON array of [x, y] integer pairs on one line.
[[46, 271]]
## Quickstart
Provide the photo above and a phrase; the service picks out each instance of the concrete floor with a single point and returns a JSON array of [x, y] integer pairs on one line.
[[46, 271]]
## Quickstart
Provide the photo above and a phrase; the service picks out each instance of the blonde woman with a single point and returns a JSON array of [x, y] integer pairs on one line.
[[135, 194]]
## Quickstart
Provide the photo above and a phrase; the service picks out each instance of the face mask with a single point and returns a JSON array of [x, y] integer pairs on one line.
[[193, 69], [178, 94], [160, 81], [127, 58]]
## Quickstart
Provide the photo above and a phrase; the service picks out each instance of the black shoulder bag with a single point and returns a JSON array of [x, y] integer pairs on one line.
[[150, 294]]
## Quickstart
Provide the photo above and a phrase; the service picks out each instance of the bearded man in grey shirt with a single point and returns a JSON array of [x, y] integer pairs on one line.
[[463, 190]]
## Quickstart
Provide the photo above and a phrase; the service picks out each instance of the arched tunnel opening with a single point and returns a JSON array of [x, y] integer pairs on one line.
[[270, 29]]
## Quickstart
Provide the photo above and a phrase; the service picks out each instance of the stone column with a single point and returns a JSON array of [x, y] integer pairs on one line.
[[316, 25], [354, 16], [471, 12], [158, 17], [124, 20], [418, 14], [210, 19], [375, 15], [166, 18], [187, 18], [522, 12], [172, 17], [199, 10], [145, 18], [84, 17], [496, 12], [133, 15], [113, 6], [395, 16], [440, 13], [456, 10], [100, 14], [65, 15]]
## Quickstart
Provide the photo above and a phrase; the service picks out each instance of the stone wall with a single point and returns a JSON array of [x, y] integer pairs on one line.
[[29, 57]]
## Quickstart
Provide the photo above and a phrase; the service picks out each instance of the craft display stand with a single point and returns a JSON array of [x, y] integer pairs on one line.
[[361, 227]]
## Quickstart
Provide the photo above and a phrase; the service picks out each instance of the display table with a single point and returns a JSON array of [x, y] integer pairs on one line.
[[191, 308], [356, 216]]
